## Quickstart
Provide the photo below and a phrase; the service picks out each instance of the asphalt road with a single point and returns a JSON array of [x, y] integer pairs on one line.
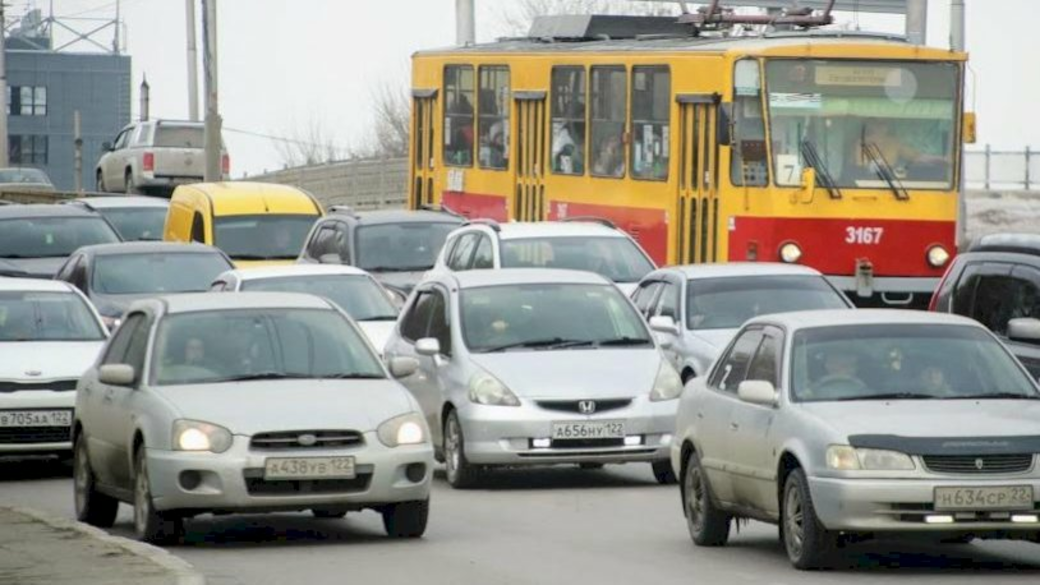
[[547, 526]]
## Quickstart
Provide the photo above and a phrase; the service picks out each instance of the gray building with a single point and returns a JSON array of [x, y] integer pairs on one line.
[[46, 86]]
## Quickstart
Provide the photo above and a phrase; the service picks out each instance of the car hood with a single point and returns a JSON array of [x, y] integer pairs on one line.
[[247, 408], [37, 267], [378, 332], [715, 338], [574, 373], [929, 418], [403, 281], [52, 359]]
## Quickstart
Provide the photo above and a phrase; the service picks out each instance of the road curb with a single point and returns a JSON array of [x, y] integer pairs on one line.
[[183, 572]]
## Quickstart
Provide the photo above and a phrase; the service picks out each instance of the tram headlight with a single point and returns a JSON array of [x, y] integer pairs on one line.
[[790, 252], [938, 256]]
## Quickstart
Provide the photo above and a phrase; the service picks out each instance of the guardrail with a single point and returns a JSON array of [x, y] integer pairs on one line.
[[1002, 169]]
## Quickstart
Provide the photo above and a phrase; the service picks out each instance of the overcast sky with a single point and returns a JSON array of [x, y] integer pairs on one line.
[[287, 65]]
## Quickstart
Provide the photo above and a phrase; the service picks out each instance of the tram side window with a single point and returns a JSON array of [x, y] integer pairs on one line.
[[493, 120], [651, 101], [609, 97], [748, 162], [568, 120], [458, 115]]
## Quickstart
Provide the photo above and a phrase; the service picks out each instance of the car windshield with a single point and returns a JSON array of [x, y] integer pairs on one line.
[[262, 237], [46, 316], [549, 316], [860, 121], [23, 176], [360, 296], [912, 361], [254, 344], [400, 247], [616, 258], [137, 223], [51, 237], [180, 136], [726, 303], [156, 273]]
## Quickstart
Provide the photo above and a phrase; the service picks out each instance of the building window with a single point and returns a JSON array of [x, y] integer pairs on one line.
[[651, 109], [609, 97], [26, 100], [568, 120], [27, 150], [493, 121], [458, 115]]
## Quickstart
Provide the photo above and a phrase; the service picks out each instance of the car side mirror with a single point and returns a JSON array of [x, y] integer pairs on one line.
[[1024, 329], [402, 366], [663, 324], [428, 346], [116, 374], [331, 258], [758, 392], [106, 146]]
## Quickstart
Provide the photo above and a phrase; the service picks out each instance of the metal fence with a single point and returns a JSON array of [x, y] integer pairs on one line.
[[1002, 169]]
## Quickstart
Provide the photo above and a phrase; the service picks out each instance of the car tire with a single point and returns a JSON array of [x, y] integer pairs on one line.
[[151, 525], [92, 506], [130, 187], [663, 472], [407, 519], [328, 513], [809, 545], [707, 524], [99, 183], [461, 474]]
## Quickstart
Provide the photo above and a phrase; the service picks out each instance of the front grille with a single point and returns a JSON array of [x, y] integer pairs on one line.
[[573, 405], [32, 435], [977, 465], [322, 440], [586, 443], [258, 486], [54, 385]]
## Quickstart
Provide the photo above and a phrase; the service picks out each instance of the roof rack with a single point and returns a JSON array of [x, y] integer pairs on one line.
[[591, 219], [484, 221], [714, 16], [344, 209], [441, 209]]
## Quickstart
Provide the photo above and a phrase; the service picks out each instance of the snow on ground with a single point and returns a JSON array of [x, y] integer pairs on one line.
[[1010, 211]]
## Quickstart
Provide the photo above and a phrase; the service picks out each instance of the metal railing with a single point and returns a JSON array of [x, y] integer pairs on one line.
[[1002, 169]]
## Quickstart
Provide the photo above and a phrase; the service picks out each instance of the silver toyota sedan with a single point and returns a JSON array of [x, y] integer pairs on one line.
[[253, 402], [845, 425], [534, 367]]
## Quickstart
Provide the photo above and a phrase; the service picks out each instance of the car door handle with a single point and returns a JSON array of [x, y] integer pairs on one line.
[[734, 426]]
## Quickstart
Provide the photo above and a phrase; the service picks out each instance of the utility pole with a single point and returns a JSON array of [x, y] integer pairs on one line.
[[917, 21], [78, 145], [209, 66], [3, 88], [465, 22], [146, 99], [958, 42], [193, 63]]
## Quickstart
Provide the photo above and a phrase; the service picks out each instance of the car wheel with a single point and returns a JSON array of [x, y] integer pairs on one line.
[[460, 473], [92, 506], [131, 188], [151, 525], [407, 519], [663, 472], [708, 525], [809, 545], [99, 183], [328, 513]]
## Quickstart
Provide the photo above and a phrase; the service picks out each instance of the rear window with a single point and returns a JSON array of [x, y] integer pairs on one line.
[[133, 274], [51, 237], [180, 136], [726, 303]]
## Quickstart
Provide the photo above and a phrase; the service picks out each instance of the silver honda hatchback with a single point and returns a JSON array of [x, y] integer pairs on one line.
[[534, 367]]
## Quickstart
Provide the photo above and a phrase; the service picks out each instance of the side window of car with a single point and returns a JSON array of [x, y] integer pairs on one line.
[[198, 228], [116, 352], [65, 273], [484, 257], [138, 346], [440, 325], [765, 366], [78, 278], [463, 252], [341, 242], [987, 293], [1026, 302], [414, 324], [646, 295], [733, 367], [668, 305], [318, 243]]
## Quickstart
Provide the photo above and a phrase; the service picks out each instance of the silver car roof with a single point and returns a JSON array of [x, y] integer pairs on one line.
[[294, 270], [122, 202], [33, 285], [542, 229], [732, 269], [855, 317], [511, 276], [194, 302]]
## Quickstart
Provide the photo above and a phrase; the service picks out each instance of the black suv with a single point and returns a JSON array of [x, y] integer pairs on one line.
[[396, 246], [997, 283]]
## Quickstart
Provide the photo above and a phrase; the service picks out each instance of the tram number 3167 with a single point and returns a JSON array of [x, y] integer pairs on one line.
[[864, 235]]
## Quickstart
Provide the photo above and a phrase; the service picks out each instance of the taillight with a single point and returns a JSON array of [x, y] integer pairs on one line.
[[148, 161], [225, 164]]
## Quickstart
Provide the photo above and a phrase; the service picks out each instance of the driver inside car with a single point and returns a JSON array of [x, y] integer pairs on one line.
[[840, 371]]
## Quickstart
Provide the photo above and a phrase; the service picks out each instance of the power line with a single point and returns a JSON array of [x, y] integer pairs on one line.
[[273, 137]]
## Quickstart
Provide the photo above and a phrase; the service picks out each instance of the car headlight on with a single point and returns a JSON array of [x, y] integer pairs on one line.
[[668, 385], [790, 252], [486, 389], [938, 256], [845, 458], [193, 435], [407, 429]]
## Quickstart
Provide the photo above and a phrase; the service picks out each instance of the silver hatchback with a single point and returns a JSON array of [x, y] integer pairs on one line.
[[845, 425], [534, 367]]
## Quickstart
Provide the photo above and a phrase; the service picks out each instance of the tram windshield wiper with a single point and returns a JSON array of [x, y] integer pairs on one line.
[[823, 175], [885, 171]]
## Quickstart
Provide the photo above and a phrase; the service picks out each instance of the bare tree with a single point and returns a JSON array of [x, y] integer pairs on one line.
[[391, 126], [518, 17], [308, 144]]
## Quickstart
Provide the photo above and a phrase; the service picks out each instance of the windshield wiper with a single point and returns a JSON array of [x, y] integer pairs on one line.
[[352, 376], [263, 376], [250, 257], [380, 318], [996, 396], [398, 268], [891, 396], [824, 177], [554, 343], [623, 342], [885, 171]]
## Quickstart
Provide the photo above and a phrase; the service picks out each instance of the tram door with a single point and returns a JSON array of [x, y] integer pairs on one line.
[[696, 231], [424, 106], [531, 144]]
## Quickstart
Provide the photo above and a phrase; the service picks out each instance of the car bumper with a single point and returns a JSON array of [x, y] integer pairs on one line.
[[233, 481], [36, 440], [499, 435], [902, 505]]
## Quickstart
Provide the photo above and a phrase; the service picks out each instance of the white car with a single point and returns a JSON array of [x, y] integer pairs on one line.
[[49, 335], [592, 245], [353, 289]]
